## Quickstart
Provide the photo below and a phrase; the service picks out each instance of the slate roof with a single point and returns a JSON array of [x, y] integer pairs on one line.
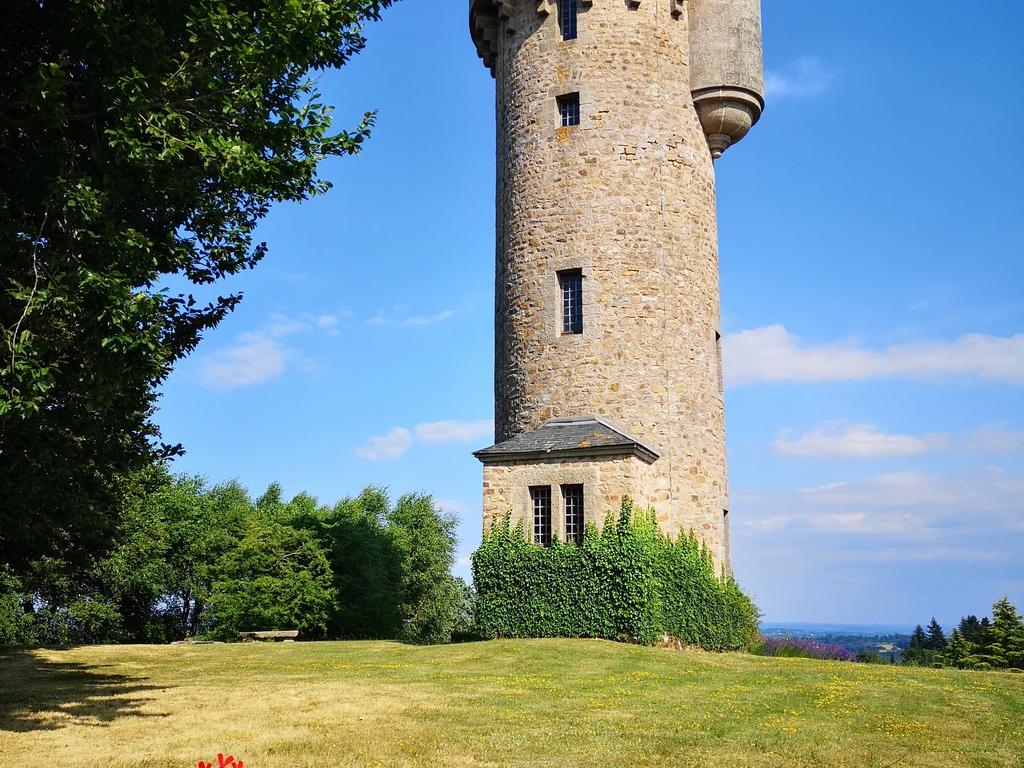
[[580, 436]]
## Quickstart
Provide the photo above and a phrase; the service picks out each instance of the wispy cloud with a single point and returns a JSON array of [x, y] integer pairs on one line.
[[454, 506], [865, 441], [396, 318], [803, 78], [391, 446], [399, 440], [773, 354], [418, 321], [903, 508], [455, 431], [254, 359], [854, 441], [262, 355]]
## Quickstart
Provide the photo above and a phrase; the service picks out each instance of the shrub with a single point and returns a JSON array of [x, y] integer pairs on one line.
[[15, 623], [627, 582], [789, 647]]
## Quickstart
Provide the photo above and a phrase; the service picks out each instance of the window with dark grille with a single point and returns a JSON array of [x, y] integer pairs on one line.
[[567, 16], [572, 495], [541, 497], [569, 109], [571, 284]]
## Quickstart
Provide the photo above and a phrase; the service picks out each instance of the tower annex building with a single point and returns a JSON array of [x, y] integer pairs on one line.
[[608, 365]]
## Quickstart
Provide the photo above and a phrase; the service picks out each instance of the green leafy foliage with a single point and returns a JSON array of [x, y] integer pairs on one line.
[[276, 577], [140, 146], [15, 622], [366, 566], [627, 581], [429, 597], [189, 559]]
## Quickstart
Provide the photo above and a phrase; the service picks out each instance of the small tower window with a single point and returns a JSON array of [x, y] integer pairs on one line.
[[567, 16], [573, 498], [718, 366], [571, 284], [569, 109], [540, 495]]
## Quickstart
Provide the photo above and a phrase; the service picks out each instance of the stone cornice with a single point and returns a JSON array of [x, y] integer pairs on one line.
[[486, 16]]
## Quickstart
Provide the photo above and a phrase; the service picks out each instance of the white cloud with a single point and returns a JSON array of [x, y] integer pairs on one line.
[[283, 325], [259, 356], [411, 321], [327, 321], [772, 354], [387, 447], [399, 440], [454, 506], [804, 77], [864, 441], [855, 441], [455, 431], [992, 440], [904, 508], [418, 321], [253, 360]]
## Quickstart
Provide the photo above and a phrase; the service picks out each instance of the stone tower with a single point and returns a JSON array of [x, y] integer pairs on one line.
[[608, 374]]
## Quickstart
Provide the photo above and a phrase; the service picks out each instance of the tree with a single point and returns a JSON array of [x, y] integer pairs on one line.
[[1003, 644], [365, 563], [465, 613], [140, 146], [958, 652], [936, 640], [428, 594], [917, 651], [277, 577], [971, 629]]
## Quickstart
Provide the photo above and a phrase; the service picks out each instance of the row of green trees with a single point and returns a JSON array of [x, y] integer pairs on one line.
[[191, 560], [996, 643]]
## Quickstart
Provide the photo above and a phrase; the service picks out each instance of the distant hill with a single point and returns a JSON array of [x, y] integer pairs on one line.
[[887, 640], [800, 629]]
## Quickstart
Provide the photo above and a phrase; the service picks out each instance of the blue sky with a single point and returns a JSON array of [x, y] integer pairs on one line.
[[872, 257]]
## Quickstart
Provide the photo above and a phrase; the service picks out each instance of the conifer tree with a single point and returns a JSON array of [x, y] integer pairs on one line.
[[958, 652], [916, 652], [1007, 633], [936, 637], [971, 629]]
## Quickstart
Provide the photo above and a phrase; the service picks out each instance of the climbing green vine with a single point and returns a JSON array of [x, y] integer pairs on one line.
[[627, 582]]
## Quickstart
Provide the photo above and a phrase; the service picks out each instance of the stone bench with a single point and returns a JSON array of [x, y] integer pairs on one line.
[[277, 636]]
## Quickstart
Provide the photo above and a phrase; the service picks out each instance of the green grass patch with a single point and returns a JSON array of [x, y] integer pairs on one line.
[[502, 703]]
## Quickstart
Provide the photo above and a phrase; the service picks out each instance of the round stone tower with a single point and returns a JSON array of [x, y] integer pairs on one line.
[[608, 375]]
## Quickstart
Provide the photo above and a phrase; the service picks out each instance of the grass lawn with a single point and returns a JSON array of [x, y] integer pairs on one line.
[[508, 703]]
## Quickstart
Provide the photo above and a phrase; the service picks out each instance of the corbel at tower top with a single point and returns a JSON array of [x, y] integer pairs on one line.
[[725, 55]]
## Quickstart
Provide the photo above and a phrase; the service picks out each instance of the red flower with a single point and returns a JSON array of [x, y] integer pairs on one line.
[[223, 762]]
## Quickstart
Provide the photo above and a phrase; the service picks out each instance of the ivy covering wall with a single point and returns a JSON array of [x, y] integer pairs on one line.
[[626, 582]]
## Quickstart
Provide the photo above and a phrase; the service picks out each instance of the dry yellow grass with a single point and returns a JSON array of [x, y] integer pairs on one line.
[[528, 703]]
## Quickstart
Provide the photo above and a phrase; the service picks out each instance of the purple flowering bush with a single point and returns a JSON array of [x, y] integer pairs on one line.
[[792, 647]]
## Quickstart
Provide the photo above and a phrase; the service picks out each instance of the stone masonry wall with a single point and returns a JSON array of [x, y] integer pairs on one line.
[[606, 483], [628, 196]]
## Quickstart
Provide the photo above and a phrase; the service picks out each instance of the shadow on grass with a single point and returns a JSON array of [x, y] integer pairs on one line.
[[38, 694]]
